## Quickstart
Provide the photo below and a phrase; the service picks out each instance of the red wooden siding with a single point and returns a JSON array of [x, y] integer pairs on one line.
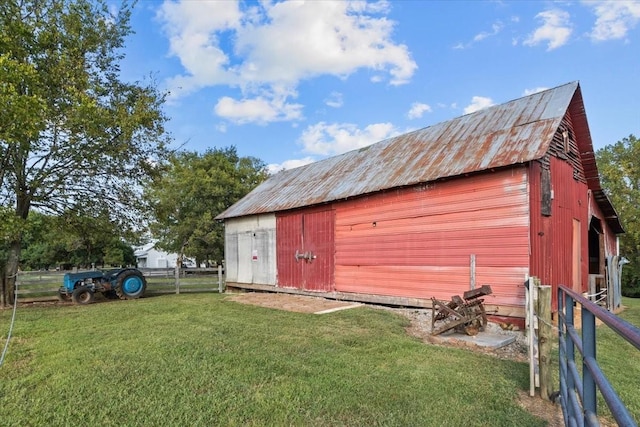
[[310, 231], [417, 242], [552, 237], [288, 240]]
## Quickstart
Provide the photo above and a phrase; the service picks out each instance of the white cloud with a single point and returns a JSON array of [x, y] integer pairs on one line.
[[193, 29], [257, 110], [528, 92], [417, 110], [306, 39], [289, 164], [495, 29], [555, 30], [334, 100], [614, 19], [279, 44], [337, 138], [478, 103]]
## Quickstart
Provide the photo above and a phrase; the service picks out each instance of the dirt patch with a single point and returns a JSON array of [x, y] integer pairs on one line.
[[550, 412], [288, 302]]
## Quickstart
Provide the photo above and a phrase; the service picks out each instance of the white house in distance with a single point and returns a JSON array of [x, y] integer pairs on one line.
[[147, 256]]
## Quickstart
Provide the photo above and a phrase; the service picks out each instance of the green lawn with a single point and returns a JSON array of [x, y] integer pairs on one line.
[[199, 359]]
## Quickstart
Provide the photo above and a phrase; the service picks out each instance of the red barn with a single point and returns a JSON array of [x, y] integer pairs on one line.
[[493, 197]]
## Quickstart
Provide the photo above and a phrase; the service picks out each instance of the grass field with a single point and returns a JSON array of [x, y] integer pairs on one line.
[[199, 359]]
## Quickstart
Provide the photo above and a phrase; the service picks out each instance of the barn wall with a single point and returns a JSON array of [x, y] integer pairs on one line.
[[250, 249], [552, 236], [418, 241]]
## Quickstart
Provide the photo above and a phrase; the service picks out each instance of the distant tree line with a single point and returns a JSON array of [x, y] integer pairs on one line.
[[71, 240]]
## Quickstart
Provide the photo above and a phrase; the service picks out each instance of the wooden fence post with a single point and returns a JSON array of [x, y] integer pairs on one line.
[[545, 339], [219, 278], [530, 324], [177, 277]]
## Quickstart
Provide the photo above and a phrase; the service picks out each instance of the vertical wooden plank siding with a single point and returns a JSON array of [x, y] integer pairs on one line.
[[309, 231], [552, 236], [250, 249], [319, 241], [230, 255], [417, 242], [576, 256], [288, 241], [244, 257]]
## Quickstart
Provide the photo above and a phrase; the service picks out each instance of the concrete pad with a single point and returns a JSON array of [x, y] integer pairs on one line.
[[289, 302], [331, 310], [483, 339]]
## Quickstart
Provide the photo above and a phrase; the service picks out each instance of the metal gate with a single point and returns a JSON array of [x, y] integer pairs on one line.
[[578, 393]]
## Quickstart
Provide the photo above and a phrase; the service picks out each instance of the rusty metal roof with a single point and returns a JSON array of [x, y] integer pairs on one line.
[[515, 132]]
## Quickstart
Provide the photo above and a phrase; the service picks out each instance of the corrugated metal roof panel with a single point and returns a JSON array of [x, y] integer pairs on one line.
[[503, 135]]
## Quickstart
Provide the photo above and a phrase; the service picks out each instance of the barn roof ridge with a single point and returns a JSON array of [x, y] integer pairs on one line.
[[514, 132]]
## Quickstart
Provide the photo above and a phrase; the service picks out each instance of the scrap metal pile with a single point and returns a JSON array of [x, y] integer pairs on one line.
[[466, 314]]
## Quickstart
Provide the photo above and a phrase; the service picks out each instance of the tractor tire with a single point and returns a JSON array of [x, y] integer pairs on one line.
[[131, 284], [64, 297], [82, 295]]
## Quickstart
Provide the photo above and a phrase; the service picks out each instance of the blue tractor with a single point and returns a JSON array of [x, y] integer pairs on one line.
[[123, 283]]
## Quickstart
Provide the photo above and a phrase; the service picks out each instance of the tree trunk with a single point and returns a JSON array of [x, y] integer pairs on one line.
[[12, 269], [22, 212], [3, 286]]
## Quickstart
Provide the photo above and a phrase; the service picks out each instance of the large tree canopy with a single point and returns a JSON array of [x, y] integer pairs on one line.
[[619, 167], [72, 134], [194, 189]]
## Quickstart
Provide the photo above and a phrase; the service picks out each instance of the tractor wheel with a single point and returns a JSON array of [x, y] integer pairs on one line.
[[82, 295], [64, 297], [130, 285]]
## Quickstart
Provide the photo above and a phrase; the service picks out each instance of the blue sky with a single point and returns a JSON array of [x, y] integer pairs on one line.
[[295, 82]]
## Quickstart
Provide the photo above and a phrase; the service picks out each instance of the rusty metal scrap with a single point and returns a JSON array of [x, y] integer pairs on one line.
[[466, 314]]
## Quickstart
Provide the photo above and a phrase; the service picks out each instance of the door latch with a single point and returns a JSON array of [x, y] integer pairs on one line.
[[308, 256]]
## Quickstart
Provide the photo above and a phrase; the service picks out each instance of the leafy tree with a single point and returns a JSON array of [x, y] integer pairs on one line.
[[194, 189], [41, 243], [92, 237], [619, 168], [74, 238], [71, 132]]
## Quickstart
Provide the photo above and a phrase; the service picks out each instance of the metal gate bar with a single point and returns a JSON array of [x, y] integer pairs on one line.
[[578, 395]]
